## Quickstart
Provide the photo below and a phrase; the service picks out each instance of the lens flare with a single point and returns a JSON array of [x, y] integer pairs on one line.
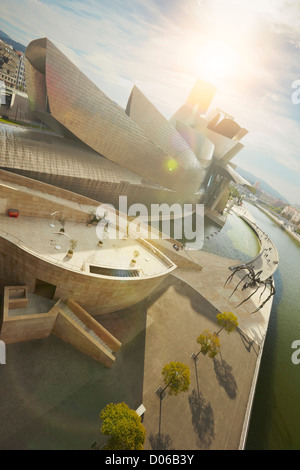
[[172, 164]]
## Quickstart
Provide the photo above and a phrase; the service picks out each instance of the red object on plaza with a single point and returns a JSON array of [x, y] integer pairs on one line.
[[13, 212]]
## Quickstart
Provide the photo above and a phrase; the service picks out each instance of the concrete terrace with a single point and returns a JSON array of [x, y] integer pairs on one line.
[[48, 243], [33, 230]]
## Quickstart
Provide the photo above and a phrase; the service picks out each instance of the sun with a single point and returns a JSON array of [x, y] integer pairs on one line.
[[216, 61]]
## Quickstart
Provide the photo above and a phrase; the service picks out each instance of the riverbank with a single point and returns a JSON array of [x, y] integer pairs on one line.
[[266, 262], [279, 222], [275, 415]]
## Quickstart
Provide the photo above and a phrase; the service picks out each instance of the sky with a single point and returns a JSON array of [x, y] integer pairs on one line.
[[248, 49]]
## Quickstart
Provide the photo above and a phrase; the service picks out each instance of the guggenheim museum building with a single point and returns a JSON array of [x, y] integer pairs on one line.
[[100, 150], [57, 278]]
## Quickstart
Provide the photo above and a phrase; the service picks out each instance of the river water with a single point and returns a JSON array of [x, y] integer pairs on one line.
[[275, 417]]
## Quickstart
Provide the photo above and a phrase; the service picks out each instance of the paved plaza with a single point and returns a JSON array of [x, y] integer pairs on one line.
[[52, 394]]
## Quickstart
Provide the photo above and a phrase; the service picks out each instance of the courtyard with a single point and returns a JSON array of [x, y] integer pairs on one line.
[[52, 394]]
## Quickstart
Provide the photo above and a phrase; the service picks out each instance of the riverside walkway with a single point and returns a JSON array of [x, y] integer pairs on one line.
[[215, 413], [267, 260]]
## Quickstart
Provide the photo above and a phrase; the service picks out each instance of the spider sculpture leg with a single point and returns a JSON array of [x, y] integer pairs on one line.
[[238, 285], [256, 276], [238, 268], [273, 292], [263, 290], [249, 296]]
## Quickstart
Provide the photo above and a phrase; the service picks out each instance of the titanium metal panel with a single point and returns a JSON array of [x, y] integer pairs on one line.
[[159, 130], [222, 144], [28, 149], [201, 145], [76, 103], [201, 96], [228, 171], [227, 127]]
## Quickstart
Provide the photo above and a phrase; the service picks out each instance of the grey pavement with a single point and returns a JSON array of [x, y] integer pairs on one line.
[[52, 394]]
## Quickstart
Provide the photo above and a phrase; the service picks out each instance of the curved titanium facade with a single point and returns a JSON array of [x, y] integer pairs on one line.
[[160, 160], [71, 165], [85, 111], [160, 131]]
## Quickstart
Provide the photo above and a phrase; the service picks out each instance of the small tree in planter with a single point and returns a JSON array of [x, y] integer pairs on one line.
[[94, 219], [62, 221], [73, 244]]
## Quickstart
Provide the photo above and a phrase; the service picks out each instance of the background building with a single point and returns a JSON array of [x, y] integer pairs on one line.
[[12, 66], [9, 64]]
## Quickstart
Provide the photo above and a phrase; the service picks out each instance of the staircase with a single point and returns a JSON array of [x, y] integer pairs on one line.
[[74, 317], [75, 326]]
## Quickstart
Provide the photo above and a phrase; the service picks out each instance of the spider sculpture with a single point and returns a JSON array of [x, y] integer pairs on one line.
[[253, 282]]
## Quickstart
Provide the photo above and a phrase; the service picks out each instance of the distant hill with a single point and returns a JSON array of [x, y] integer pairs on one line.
[[263, 185], [16, 45]]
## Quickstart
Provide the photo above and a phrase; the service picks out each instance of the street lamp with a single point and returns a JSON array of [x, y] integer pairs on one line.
[[195, 356], [161, 392]]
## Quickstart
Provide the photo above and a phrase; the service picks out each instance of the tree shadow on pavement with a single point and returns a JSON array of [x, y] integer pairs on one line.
[[161, 442], [202, 419], [248, 343], [225, 377]]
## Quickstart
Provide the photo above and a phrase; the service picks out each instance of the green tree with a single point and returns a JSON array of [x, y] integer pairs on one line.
[[176, 377], [124, 427], [252, 189], [227, 321], [234, 192], [209, 343]]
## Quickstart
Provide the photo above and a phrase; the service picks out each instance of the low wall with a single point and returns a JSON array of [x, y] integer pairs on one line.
[[32, 205], [28, 327], [46, 188], [25, 327]]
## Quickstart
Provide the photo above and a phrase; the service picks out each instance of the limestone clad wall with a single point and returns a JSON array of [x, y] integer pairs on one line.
[[95, 294], [18, 329], [36, 206]]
